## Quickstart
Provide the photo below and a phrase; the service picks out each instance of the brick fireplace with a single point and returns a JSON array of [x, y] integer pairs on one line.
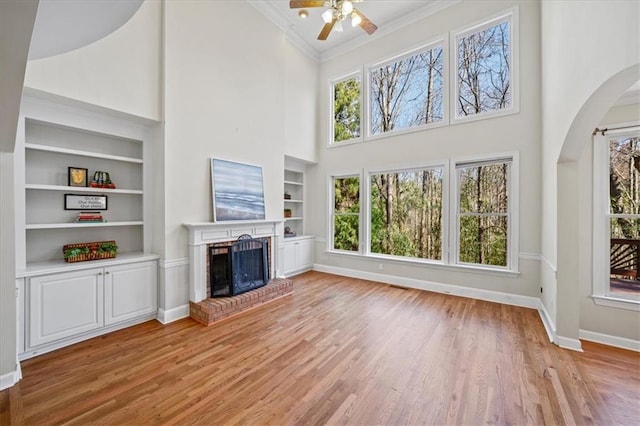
[[203, 236]]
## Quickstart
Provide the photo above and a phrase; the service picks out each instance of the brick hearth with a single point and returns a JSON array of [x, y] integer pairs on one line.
[[209, 311]]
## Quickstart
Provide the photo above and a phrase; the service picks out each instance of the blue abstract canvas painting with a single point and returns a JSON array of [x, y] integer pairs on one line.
[[238, 192]]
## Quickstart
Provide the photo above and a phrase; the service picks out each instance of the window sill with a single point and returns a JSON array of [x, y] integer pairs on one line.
[[617, 302], [429, 264]]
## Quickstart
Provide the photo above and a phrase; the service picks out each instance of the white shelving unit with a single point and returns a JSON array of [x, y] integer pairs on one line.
[[294, 202], [61, 303]]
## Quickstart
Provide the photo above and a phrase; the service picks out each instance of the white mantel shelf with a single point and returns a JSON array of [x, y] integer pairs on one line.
[[203, 233]]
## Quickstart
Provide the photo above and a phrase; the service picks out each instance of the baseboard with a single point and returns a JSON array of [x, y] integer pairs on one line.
[[10, 379], [473, 293], [607, 339], [547, 321], [569, 343], [174, 314]]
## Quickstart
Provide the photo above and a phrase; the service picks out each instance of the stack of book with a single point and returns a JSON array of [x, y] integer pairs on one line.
[[87, 217]]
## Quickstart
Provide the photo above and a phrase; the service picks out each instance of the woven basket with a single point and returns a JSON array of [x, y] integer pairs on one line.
[[93, 253]]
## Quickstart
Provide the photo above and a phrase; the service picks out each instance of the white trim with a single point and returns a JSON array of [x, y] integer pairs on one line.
[[174, 263], [569, 343], [547, 321], [173, 314], [510, 15], [549, 265], [534, 257], [609, 340], [617, 302], [456, 290], [10, 379]]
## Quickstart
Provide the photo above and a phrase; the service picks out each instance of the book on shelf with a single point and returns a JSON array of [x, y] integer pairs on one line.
[[85, 217]]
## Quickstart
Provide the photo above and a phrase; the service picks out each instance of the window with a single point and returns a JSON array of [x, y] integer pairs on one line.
[[484, 66], [346, 109], [407, 92], [406, 213], [617, 214], [483, 212], [346, 213]]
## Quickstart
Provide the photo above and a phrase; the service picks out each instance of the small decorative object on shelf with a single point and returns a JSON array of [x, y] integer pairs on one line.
[[81, 252], [287, 213], [287, 196], [288, 232], [102, 180], [77, 176]]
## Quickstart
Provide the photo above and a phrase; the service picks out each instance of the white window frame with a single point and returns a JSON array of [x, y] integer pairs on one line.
[[441, 42], [511, 16], [331, 216], [445, 211], [602, 294], [513, 215], [332, 84]]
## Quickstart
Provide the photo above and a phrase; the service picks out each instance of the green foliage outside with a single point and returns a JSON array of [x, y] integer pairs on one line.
[[624, 186], [346, 110], [346, 235]]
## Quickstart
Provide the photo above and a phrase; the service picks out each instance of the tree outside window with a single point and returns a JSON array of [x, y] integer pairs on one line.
[[406, 213], [346, 213], [407, 93], [484, 70], [346, 109], [483, 213]]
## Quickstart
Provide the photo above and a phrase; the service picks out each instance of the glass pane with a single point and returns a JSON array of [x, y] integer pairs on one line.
[[346, 107], [347, 195], [346, 233], [484, 189], [406, 214], [625, 255], [407, 93], [483, 240], [484, 61], [624, 175]]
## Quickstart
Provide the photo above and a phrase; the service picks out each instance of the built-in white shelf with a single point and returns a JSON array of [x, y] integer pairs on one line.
[[292, 218], [292, 201], [104, 191], [82, 225], [77, 152], [289, 182], [56, 266]]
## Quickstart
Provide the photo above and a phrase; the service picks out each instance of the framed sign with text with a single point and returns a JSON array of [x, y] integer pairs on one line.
[[85, 202]]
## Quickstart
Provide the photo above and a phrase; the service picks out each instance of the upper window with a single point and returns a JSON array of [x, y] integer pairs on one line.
[[407, 93], [406, 213], [484, 68], [346, 213], [483, 212], [346, 109]]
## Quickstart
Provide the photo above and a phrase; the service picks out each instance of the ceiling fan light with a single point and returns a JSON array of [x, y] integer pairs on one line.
[[303, 13], [338, 26], [327, 16], [347, 7], [355, 19]]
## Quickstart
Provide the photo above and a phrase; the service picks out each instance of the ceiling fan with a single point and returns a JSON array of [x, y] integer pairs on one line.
[[337, 11]]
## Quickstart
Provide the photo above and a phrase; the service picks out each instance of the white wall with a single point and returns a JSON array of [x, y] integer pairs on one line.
[[584, 45], [119, 72], [16, 26], [519, 132]]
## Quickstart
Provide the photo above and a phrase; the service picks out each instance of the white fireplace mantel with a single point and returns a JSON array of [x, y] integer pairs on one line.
[[203, 233]]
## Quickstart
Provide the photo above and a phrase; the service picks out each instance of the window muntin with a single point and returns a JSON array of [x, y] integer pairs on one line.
[[483, 213], [406, 213], [346, 213], [407, 92], [484, 69], [346, 107]]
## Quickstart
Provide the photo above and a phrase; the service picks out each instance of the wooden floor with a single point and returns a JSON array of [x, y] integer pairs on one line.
[[339, 351]]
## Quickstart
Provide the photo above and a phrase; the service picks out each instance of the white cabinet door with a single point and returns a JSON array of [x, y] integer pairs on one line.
[[289, 261], [62, 305], [304, 254], [130, 291]]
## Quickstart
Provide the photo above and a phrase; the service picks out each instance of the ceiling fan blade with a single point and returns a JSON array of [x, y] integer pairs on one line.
[[366, 24], [299, 4], [326, 30]]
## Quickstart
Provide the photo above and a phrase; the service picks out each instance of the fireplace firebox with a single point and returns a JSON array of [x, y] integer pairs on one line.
[[238, 267]]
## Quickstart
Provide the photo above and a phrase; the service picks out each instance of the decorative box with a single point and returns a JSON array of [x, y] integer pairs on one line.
[[80, 252]]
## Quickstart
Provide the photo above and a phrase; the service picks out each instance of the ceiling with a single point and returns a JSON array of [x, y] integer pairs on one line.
[[388, 15]]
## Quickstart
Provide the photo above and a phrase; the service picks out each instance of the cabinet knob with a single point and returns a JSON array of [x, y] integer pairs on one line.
[[107, 273], [99, 273]]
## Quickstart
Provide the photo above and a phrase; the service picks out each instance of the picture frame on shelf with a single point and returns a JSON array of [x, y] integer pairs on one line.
[[85, 202], [77, 176]]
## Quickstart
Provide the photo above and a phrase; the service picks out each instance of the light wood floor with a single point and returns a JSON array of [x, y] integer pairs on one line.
[[339, 351]]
